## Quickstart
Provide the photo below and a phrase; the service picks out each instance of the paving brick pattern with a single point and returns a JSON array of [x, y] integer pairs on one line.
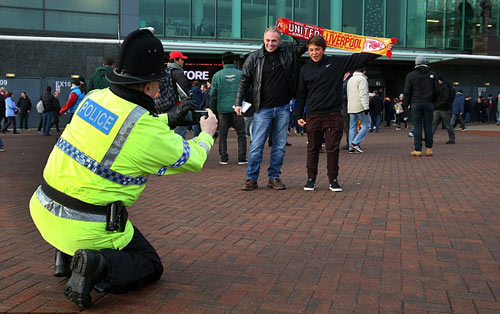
[[407, 235]]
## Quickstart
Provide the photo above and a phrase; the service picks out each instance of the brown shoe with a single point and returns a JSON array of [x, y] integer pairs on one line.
[[275, 184], [250, 185]]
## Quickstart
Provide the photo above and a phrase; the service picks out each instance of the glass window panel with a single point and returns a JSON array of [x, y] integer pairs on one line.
[[178, 18], [21, 18], [81, 22], [151, 14], [435, 22], [396, 21], [415, 29], [453, 28], [352, 16], [229, 19], [278, 9], [35, 4], [467, 10], [97, 6], [495, 18], [305, 11], [203, 18], [253, 16], [374, 18]]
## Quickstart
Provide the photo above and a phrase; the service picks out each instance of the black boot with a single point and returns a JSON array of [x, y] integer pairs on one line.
[[62, 264], [88, 268]]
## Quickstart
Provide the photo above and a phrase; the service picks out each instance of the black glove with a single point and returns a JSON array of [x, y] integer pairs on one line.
[[179, 115], [366, 112]]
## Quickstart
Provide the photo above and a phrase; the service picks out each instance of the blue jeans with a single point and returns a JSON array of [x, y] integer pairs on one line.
[[376, 119], [277, 118], [422, 114], [48, 118], [498, 117], [196, 129], [181, 130], [353, 126]]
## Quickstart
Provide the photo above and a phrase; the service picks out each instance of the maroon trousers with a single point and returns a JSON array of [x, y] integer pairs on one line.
[[330, 126]]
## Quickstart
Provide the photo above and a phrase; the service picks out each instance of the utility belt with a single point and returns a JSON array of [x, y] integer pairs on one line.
[[116, 214]]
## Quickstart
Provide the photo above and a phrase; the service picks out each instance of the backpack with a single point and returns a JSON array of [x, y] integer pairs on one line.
[[167, 96]]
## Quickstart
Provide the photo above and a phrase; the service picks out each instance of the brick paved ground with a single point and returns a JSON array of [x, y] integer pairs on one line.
[[412, 235]]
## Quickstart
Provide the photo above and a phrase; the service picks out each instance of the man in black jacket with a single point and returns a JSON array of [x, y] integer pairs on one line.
[[48, 110], [272, 72], [24, 104], [2, 106], [442, 108], [320, 88], [376, 106], [420, 88]]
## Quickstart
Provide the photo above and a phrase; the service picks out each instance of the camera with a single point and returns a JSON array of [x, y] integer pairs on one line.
[[197, 114]]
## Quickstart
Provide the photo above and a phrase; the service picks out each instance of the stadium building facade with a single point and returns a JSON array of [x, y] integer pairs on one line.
[[46, 42]]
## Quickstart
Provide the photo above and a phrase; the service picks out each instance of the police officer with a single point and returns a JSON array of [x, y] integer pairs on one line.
[[100, 166]]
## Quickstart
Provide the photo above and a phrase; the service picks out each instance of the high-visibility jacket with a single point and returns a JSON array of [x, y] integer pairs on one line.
[[105, 155]]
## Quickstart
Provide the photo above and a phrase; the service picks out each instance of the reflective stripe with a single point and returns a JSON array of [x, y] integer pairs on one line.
[[122, 136], [186, 152], [205, 146], [94, 166], [66, 212]]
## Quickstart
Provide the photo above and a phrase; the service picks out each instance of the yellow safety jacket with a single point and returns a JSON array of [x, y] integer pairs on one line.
[[105, 155]]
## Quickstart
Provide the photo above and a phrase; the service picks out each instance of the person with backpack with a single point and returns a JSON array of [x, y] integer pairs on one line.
[[175, 79], [442, 107]]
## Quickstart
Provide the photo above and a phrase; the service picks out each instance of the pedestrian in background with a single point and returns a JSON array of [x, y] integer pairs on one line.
[[457, 110], [358, 107], [98, 79], [48, 110], [442, 108], [222, 97], [376, 107], [24, 104], [496, 103], [468, 108], [57, 114], [10, 112], [3, 91], [197, 97], [75, 97], [420, 90]]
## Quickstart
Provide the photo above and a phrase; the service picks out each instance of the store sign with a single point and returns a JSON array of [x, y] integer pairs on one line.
[[197, 75]]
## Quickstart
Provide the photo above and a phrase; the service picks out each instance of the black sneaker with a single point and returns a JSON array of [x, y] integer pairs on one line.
[[450, 142], [357, 148], [224, 161], [309, 185], [334, 186], [243, 161], [352, 151]]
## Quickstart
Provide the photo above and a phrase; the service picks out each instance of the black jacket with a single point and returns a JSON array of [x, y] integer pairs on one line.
[[376, 104], [2, 105], [320, 83], [24, 104], [48, 102], [421, 86], [443, 97], [178, 77], [289, 54]]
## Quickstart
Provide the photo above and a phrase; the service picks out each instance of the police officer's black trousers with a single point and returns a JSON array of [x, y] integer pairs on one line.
[[128, 269]]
